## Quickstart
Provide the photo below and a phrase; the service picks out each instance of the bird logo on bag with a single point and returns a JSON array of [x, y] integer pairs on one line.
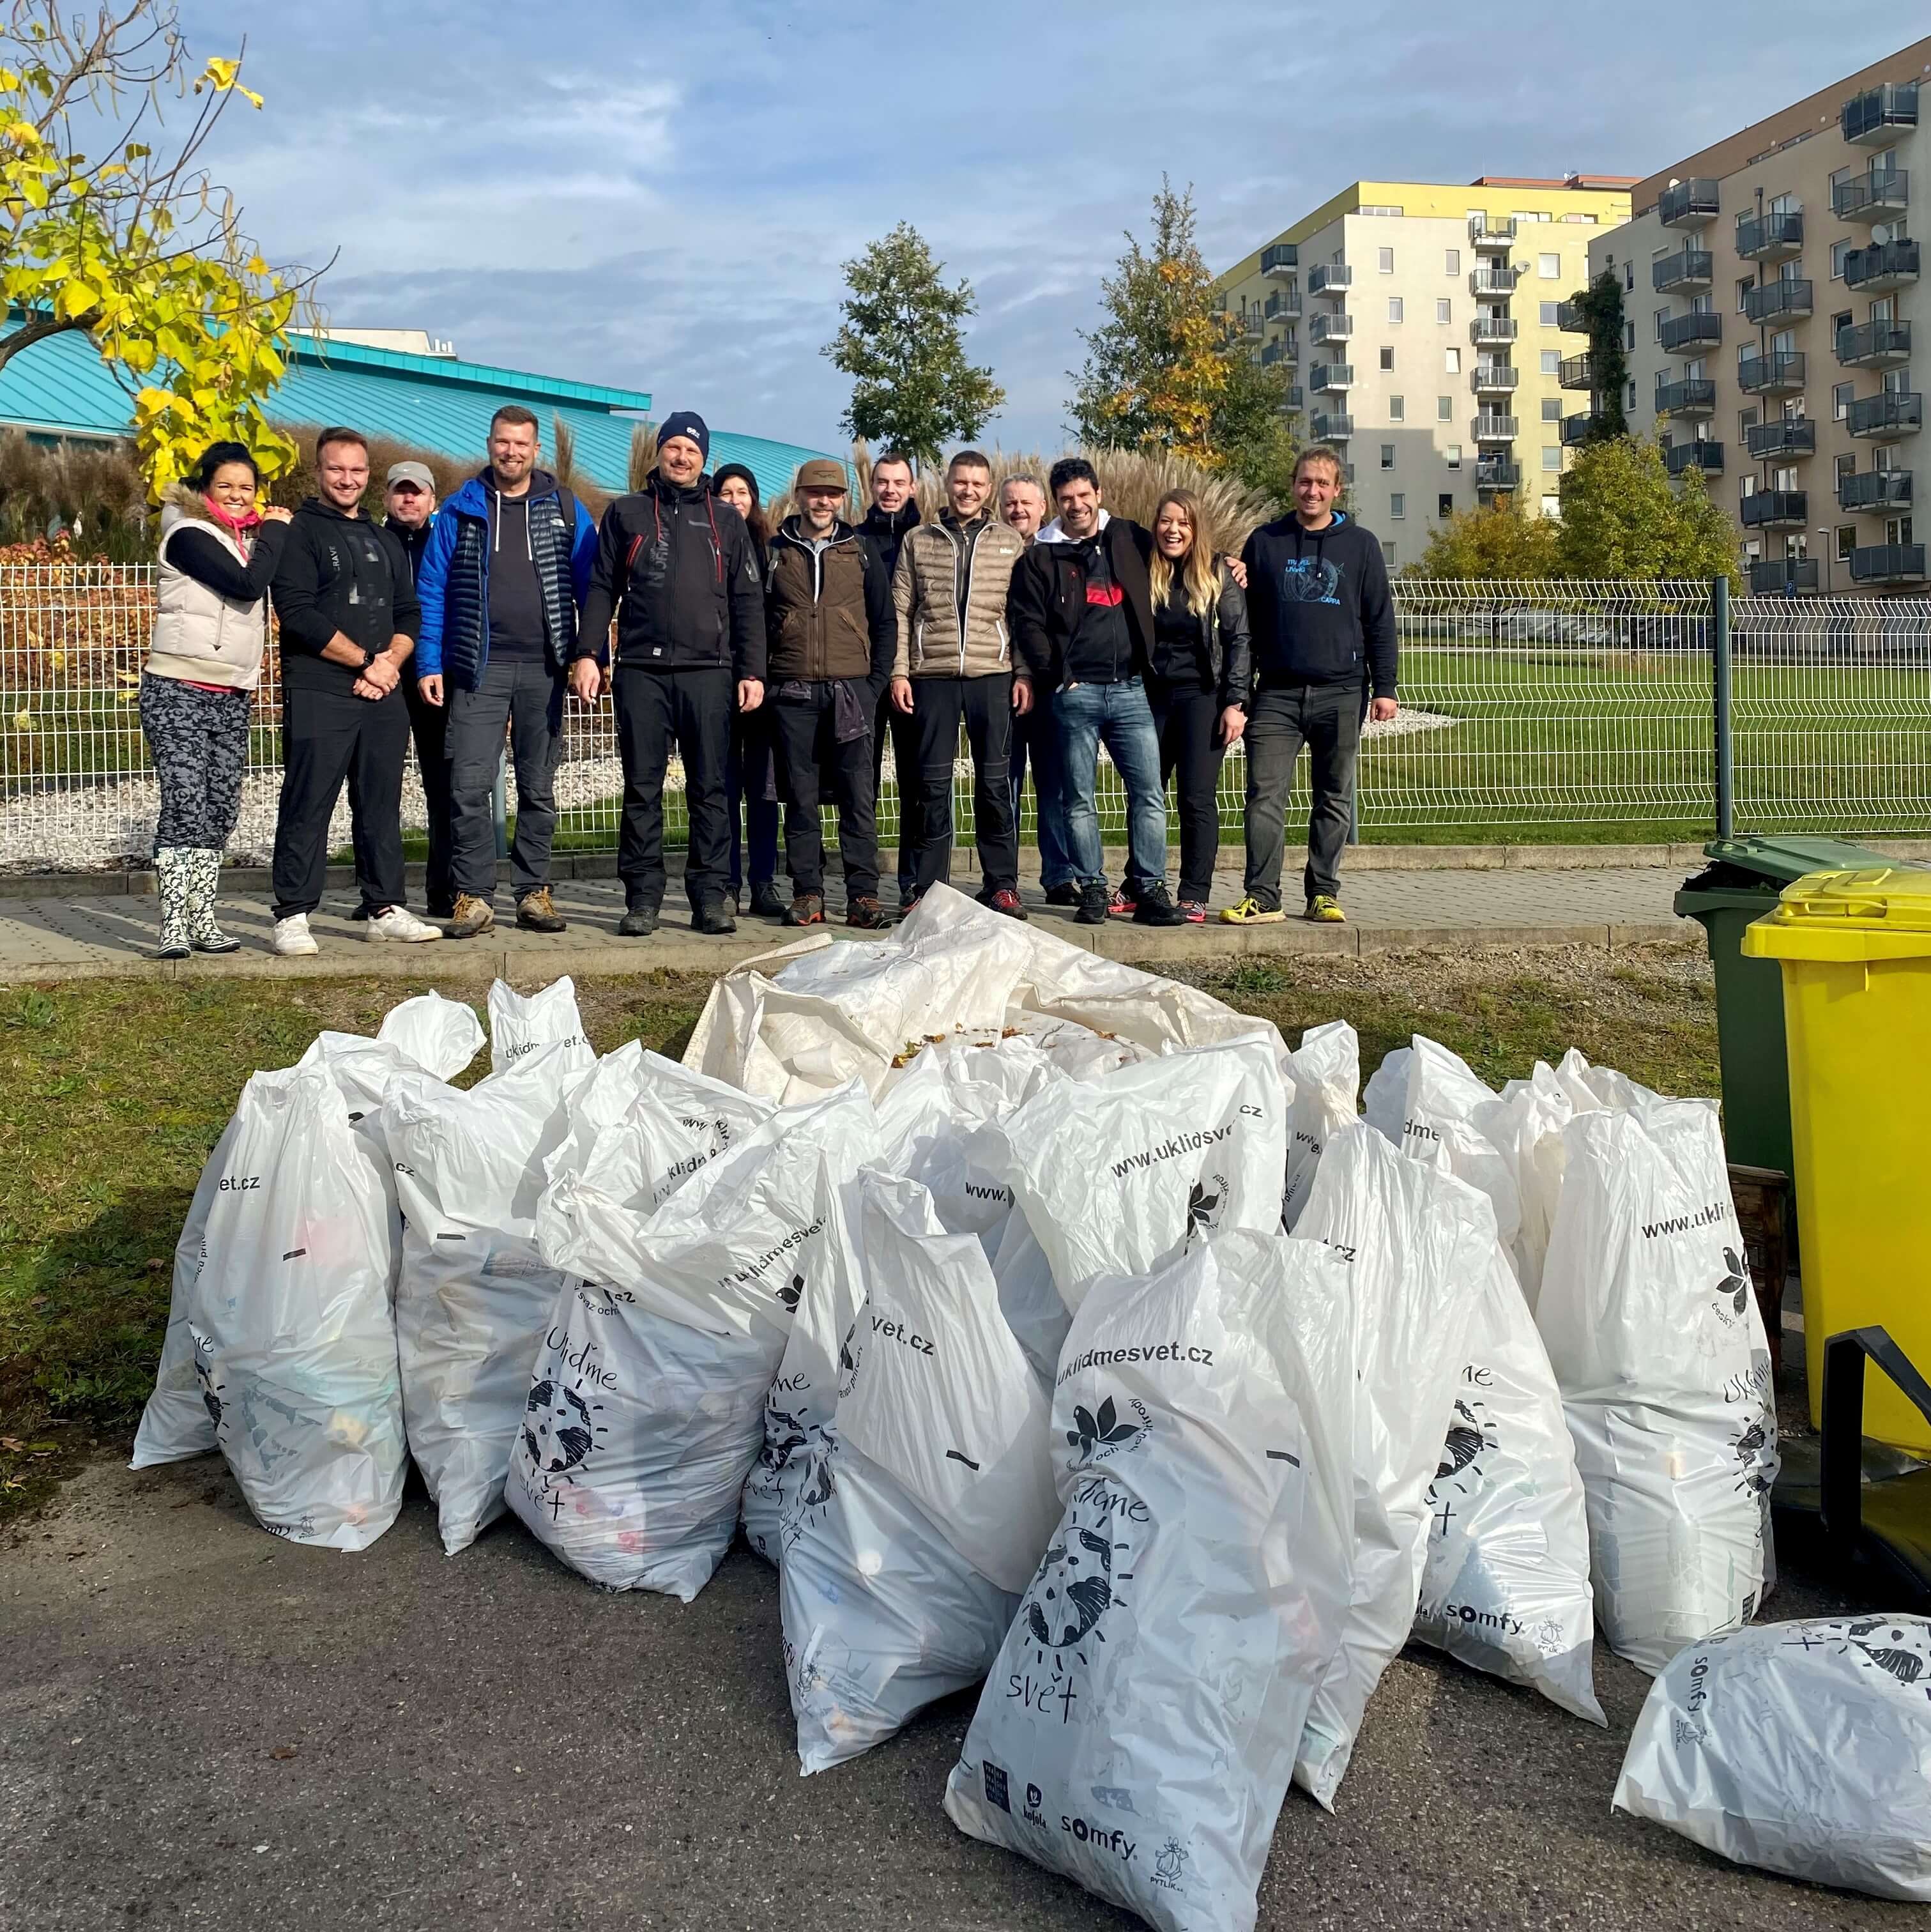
[[1204, 1204], [1734, 1288], [791, 1295], [1090, 1432]]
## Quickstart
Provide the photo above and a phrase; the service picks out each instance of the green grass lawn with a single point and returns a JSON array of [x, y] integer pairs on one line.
[[118, 1090]]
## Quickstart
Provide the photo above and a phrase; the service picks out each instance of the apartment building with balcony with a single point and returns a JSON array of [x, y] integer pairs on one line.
[[1420, 328], [1775, 333]]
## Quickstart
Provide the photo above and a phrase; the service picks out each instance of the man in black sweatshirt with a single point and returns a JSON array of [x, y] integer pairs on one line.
[[677, 568], [1323, 626], [409, 515], [344, 594], [894, 511]]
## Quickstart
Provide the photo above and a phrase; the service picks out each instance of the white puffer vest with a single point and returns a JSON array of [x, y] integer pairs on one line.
[[201, 637]]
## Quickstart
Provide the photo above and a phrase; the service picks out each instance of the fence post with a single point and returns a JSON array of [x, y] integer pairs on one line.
[[499, 805], [1726, 770]]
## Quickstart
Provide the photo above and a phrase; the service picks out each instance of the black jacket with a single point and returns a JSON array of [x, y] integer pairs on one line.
[[886, 533], [679, 570], [338, 573], [1224, 639], [1047, 603], [1320, 606], [414, 542]]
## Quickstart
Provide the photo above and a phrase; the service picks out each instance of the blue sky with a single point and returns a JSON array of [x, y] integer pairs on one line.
[[661, 198]]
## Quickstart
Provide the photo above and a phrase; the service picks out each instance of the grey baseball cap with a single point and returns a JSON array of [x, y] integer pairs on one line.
[[418, 473]]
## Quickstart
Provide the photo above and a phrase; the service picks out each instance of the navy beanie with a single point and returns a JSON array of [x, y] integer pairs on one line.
[[686, 422]]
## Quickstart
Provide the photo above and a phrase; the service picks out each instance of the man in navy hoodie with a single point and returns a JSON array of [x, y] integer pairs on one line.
[[1325, 657], [505, 569]]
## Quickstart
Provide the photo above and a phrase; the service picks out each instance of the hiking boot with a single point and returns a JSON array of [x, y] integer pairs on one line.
[[292, 939], [1249, 911], [473, 915], [1094, 902], [805, 909], [1194, 911], [767, 901], [640, 923], [1324, 909], [713, 918], [536, 912], [1118, 905], [1006, 900], [1067, 895], [867, 914], [399, 924], [1155, 907]]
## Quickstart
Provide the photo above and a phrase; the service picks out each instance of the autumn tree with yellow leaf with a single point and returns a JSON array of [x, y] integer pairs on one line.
[[110, 227]]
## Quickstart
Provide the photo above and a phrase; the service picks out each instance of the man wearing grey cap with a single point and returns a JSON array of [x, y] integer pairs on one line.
[[410, 506]]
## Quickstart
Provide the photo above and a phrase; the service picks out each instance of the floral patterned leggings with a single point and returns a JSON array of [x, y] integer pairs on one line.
[[198, 742]]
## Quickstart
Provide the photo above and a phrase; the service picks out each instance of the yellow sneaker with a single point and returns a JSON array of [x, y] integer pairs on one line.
[[1325, 910], [1250, 911]]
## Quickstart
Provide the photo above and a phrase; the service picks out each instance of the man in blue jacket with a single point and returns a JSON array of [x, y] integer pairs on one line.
[[1323, 625], [500, 584]]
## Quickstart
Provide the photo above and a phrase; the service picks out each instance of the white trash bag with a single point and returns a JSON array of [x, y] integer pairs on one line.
[[1138, 1730], [294, 1344], [1415, 1243], [1804, 1748], [932, 1500], [519, 1023], [474, 1296], [1326, 1070], [1654, 1334], [645, 1409]]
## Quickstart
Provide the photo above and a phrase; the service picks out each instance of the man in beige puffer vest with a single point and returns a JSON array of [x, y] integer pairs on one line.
[[955, 665]]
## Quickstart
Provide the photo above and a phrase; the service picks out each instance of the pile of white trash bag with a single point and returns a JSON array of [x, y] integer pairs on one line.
[[1049, 1325]]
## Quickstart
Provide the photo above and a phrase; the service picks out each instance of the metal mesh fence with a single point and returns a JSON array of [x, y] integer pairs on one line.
[[1529, 711]]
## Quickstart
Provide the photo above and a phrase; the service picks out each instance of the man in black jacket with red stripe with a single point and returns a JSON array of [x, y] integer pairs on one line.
[[677, 568]]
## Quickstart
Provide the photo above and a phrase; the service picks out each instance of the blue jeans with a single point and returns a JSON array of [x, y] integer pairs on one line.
[[1117, 715], [1036, 737]]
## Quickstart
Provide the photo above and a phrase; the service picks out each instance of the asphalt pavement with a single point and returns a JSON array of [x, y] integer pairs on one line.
[[202, 1726]]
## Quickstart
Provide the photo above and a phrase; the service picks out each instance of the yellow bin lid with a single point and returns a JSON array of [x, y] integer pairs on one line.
[[1846, 918]]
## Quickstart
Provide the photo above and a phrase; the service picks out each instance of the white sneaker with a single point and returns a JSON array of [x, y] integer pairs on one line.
[[399, 923], [292, 939]]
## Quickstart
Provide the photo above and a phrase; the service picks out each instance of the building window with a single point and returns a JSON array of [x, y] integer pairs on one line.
[[1839, 250], [1841, 395], [1388, 358], [1451, 261], [1628, 335], [1552, 361], [1551, 456], [1398, 505], [1388, 554], [1397, 409], [1549, 310], [1444, 310], [1552, 409], [1661, 316], [1444, 504], [1747, 421], [1847, 542], [1444, 409], [1629, 400], [1387, 456], [1451, 362], [1384, 260], [1548, 267], [1453, 453], [1744, 285], [1551, 506], [1394, 308]]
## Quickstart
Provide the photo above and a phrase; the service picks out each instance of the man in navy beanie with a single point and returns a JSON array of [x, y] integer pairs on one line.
[[677, 568]]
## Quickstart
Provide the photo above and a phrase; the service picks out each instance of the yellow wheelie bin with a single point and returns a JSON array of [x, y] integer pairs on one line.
[[1855, 949]]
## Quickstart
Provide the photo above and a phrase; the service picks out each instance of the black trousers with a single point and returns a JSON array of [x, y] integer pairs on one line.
[[984, 705], [1187, 719], [329, 738], [905, 732], [812, 765], [428, 725], [691, 709]]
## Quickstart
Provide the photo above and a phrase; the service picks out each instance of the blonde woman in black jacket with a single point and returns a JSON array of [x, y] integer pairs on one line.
[[1197, 682]]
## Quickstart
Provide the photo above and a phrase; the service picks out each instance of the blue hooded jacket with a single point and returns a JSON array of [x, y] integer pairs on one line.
[[453, 581]]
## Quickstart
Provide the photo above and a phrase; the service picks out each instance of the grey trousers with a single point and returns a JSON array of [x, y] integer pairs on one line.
[[525, 695], [1327, 718]]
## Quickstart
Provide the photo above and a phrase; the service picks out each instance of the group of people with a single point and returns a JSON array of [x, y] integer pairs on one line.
[[777, 663]]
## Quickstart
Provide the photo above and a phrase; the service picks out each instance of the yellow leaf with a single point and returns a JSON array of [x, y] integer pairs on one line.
[[23, 719]]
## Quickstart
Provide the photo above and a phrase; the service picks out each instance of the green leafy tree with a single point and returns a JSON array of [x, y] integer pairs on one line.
[[1601, 304], [1504, 541], [1165, 369], [1622, 517], [902, 344]]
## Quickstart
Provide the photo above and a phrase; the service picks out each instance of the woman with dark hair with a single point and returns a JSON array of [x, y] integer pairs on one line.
[[750, 777], [217, 554]]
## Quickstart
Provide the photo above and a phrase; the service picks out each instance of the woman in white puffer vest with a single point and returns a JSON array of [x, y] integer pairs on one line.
[[218, 555]]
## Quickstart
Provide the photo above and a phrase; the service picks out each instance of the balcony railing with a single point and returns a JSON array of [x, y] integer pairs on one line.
[[1886, 417], [1884, 265], [1493, 278], [1779, 373], [1487, 332], [1875, 490], [1495, 473], [1781, 576], [1280, 258], [1770, 238], [1573, 318], [1487, 428], [1576, 372], [1282, 305], [1686, 204], [1275, 352], [1294, 400], [1579, 428], [1330, 278], [1880, 194], [1495, 379], [1332, 428], [1694, 396], [1776, 510], [1331, 378], [1251, 323], [1888, 563], [1788, 436], [1689, 334], [1874, 345], [1877, 113], [1491, 231], [1330, 328], [1783, 301], [1687, 269], [1706, 457]]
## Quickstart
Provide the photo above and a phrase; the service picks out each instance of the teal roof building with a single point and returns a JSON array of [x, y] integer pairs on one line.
[[61, 388]]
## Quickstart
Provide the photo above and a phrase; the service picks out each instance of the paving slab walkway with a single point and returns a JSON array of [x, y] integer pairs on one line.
[[111, 935]]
